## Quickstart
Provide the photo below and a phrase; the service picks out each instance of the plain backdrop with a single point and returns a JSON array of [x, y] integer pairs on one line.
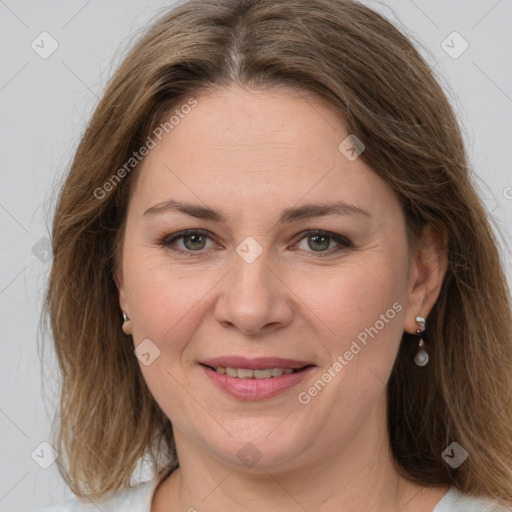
[[45, 101]]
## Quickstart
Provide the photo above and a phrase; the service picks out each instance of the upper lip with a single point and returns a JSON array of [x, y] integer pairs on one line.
[[258, 363]]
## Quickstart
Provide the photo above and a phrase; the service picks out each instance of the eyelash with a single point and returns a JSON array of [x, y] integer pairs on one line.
[[168, 240]]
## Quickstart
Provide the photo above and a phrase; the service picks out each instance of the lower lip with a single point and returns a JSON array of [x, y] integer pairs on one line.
[[256, 389]]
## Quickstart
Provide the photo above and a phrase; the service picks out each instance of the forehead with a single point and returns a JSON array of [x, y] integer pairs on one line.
[[251, 149]]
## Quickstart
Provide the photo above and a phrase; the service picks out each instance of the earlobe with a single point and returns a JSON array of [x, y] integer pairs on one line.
[[426, 276], [127, 324], [123, 303]]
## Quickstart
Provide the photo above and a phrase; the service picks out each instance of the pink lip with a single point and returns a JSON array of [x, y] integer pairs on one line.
[[258, 363], [256, 389]]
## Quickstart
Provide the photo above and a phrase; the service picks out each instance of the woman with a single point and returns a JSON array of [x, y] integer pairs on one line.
[[275, 198]]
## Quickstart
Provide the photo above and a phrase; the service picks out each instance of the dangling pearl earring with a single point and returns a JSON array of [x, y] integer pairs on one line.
[[421, 358]]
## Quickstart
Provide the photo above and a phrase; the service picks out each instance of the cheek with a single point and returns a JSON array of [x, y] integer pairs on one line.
[[359, 310], [163, 297], [360, 315], [166, 306], [355, 297]]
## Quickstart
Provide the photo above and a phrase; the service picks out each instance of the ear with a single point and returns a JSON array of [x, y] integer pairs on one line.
[[123, 301], [427, 271]]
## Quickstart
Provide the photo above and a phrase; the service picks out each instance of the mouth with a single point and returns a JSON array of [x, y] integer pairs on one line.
[[255, 379], [248, 373]]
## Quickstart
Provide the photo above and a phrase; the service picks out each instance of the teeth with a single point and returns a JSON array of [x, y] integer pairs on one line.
[[262, 374], [232, 372], [246, 373]]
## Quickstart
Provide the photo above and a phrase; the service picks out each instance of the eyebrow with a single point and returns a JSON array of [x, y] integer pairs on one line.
[[288, 215]]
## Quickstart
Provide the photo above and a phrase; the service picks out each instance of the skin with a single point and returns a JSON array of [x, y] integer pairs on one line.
[[251, 155]]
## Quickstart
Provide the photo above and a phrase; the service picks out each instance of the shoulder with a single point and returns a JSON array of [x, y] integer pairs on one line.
[[136, 499], [456, 501]]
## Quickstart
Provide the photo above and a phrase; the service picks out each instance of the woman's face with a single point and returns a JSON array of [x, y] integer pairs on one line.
[[262, 284]]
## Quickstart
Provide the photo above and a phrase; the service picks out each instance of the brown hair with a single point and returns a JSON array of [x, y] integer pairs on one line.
[[386, 93]]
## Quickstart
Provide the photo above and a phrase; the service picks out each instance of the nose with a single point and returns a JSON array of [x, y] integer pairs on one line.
[[253, 298]]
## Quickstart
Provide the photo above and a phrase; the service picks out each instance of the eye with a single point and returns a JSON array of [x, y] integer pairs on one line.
[[322, 241], [193, 240]]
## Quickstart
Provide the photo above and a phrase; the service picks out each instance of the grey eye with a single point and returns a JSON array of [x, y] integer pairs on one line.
[[194, 241]]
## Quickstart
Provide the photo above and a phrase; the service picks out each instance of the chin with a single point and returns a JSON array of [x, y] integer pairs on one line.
[[257, 448]]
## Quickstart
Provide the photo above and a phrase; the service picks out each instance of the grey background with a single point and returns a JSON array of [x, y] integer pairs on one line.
[[44, 104]]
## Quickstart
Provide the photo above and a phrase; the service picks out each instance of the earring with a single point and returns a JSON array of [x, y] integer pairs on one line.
[[127, 326], [421, 358]]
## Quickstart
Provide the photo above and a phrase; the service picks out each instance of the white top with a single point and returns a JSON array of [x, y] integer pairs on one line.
[[139, 497]]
